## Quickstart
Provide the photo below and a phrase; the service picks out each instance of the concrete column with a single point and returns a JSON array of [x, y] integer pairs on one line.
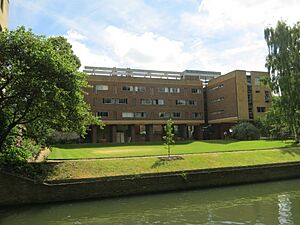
[[198, 133], [182, 128], [113, 133], [131, 129], [149, 132], [94, 134]]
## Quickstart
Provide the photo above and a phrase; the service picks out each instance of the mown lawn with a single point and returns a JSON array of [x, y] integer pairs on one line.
[[81, 151], [132, 166]]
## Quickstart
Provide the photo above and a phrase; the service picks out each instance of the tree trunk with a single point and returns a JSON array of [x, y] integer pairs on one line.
[[296, 135]]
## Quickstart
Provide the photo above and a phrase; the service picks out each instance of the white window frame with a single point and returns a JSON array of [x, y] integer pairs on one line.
[[127, 115], [101, 87]]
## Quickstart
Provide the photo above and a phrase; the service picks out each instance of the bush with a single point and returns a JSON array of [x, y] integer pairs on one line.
[[58, 137], [245, 131]]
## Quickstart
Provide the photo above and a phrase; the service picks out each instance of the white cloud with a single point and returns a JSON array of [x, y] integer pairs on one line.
[[222, 35], [148, 50], [215, 15], [85, 54]]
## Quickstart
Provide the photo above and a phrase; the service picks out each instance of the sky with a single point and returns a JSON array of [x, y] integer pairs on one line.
[[215, 35]]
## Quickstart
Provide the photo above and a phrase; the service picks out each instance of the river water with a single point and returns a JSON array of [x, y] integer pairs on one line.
[[260, 204]]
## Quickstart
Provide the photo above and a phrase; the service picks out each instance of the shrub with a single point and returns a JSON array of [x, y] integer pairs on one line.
[[58, 137], [245, 131]]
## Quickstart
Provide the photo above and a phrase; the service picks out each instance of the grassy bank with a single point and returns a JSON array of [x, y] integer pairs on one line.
[[78, 151], [116, 167]]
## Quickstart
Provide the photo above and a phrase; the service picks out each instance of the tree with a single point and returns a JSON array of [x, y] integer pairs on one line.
[[273, 124], [41, 88], [245, 131], [169, 137], [283, 63]]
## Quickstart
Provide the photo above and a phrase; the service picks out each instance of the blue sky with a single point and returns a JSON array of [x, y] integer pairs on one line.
[[219, 35]]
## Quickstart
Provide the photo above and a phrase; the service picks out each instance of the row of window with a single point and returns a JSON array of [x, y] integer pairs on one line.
[[217, 87], [267, 97], [217, 100], [185, 102], [259, 109], [130, 88], [144, 114], [124, 101]]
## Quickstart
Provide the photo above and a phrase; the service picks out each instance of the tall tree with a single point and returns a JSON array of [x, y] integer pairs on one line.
[[41, 87], [283, 63]]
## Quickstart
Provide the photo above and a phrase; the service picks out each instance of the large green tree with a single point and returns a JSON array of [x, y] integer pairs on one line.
[[41, 87], [283, 63]]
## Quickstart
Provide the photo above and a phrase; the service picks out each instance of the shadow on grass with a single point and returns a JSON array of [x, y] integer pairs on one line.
[[294, 151], [38, 172], [161, 161], [98, 145]]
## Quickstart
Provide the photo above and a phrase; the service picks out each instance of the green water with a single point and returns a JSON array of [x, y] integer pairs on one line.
[[268, 204]]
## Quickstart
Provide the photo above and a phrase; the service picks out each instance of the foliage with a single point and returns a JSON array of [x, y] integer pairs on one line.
[[283, 62], [169, 137], [273, 124], [41, 88], [245, 131], [58, 137]]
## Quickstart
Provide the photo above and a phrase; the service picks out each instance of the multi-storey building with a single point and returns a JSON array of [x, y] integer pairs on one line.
[[135, 104], [236, 96], [4, 14]]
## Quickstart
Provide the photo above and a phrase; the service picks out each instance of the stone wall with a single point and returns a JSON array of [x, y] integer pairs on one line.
[[17, 190]]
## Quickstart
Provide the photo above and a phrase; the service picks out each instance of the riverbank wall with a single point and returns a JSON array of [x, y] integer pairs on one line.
[[16, 190]]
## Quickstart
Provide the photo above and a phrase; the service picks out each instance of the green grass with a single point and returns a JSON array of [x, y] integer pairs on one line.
[[117, 167], [80, 151]]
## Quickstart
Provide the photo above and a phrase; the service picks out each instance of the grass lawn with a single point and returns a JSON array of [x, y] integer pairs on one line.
[[80, 151], [127, 166]]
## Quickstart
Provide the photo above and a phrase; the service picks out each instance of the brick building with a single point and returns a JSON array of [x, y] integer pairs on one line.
[[4, 14], [233, 97], [135, 104]]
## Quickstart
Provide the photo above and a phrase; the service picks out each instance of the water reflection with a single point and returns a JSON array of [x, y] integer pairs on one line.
[[260, 204], [285, 216]]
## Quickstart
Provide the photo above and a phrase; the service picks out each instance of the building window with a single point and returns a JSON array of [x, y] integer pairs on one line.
[[261, 109], [257, 92], [196, 115], [217, 100], [122, 101], [196, 91], [257, 81], [191, 102], [217, 87], [108, 101], [140, 114], [163, 89], [127, 88], [169, 90], [180, 102], [127, 114], [217, 112], [101, 88], [158, 102], [176, 114], [102, 114], [164, 115], [146, 102], [139, 89], [267, 96], [174, 90]]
